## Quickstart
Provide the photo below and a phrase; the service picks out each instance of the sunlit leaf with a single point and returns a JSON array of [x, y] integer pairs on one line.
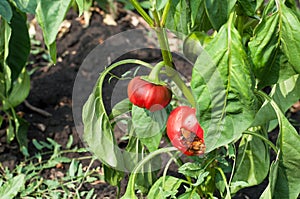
[[223, 84]]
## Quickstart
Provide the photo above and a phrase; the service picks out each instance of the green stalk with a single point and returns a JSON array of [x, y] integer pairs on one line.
[[131, 183], [264, 139], [167, 57], [154, 74], [225, 181], [142, 12]]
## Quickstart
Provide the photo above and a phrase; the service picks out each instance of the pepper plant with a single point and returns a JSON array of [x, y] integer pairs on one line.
[[245, 76], [15, 47]]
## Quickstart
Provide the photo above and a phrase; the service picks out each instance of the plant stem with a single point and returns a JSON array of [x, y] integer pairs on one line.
[[225, 181], [154, 74], [142, 12], [139, 166], [264, 139]]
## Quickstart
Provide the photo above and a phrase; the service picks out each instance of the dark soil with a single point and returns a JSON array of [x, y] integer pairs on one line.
[[51, 90]]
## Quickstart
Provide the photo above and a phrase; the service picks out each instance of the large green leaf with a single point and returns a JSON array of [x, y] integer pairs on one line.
[[5, 10], [50, 14], [253, 161], [19, 44], [149, 126], [98, 131], [288, 178], [218, 11], [11, 188], [275, 46], [222, 84]]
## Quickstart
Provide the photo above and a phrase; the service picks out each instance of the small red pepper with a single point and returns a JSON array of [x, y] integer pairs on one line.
[[148, 95], [185, 132]]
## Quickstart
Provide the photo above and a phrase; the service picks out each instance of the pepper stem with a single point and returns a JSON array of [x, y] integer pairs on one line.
[[154, 74]]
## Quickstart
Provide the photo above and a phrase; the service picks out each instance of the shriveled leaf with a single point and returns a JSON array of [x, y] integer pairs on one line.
[[222, 83], [253, 161]]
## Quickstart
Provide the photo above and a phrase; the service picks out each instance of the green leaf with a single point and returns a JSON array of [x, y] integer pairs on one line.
[[191, 169], [253, 161], [98, 132], [20, 90], [149, 126], [285, 94], [288, 178], [178, 17], [287, 182], [19, 44], [50, 14], [112, 176], [12, 187], [10, 132], [275, 45], [268, 192], [160, 4], [5, 33], [193, 45], [249, 7], [164, 187], [218, 11], [27, 6], [222, 83], [81, 6], [190, 195], [73, 168], [21, 135], [5, 10], [120, 108], [199, 17]]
